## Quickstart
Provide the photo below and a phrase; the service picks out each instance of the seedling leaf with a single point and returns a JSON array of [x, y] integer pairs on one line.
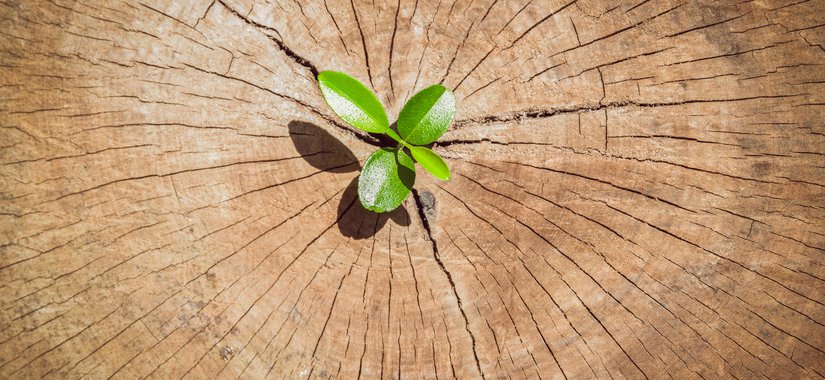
[[432, 162], [386, 180], [353, 102], [427, 115]]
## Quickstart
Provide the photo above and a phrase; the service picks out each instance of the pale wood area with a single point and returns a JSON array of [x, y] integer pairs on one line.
[[638, 191]]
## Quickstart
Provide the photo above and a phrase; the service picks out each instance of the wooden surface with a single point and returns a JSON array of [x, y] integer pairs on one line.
[[638, 191]]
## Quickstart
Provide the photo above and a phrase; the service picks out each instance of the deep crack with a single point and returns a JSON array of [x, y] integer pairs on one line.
[[295, 57], [437, 256], [540, 114], [286, 49]]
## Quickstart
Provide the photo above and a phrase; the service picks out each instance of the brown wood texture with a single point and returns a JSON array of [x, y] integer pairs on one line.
[[638, 191]]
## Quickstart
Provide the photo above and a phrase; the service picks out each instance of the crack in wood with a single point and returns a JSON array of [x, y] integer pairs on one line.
[[426, 224]]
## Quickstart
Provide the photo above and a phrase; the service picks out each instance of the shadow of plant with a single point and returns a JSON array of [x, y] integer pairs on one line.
[[323, 151], [320, 149]]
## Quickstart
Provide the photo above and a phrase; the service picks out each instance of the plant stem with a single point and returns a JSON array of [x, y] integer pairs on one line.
[[395, 137]]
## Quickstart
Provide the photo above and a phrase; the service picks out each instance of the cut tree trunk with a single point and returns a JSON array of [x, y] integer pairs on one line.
[[638, 191]]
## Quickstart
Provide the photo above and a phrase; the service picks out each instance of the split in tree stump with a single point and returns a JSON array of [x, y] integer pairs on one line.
[[638, 191]]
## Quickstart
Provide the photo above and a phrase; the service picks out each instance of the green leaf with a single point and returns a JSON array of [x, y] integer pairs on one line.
[[427, 115], [353, 101], [432, 162], [386, 180]]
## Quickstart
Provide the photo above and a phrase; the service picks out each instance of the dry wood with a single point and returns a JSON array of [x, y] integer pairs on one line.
[[638, 191]]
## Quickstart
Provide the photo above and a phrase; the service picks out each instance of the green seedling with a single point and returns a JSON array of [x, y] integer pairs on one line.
[[389, 174]]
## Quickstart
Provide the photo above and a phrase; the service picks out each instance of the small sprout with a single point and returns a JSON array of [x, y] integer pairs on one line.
[[427, 115], [386, 180], [353, 102], [389, 174], [431, 161]]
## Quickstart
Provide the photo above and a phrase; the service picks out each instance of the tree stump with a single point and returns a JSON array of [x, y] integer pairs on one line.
[[638, 191]]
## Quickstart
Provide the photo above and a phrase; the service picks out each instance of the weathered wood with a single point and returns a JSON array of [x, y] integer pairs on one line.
[[638, 191]]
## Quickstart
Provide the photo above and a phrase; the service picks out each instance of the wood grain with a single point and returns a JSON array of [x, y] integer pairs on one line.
[[638, 191]]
